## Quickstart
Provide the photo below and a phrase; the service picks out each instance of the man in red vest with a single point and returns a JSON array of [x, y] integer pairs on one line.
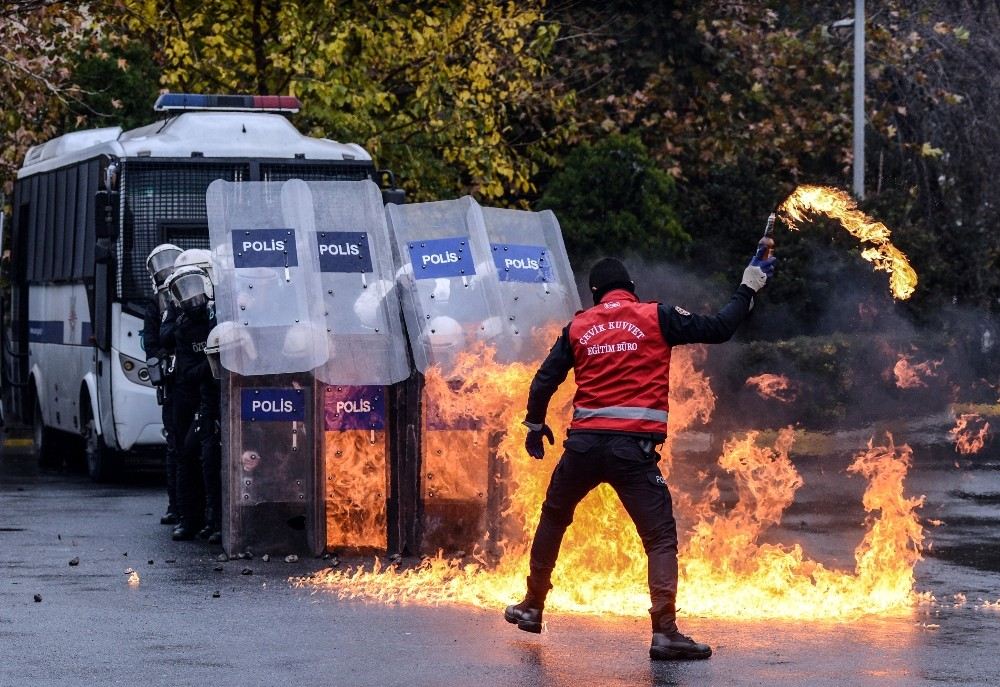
[[620, 353]]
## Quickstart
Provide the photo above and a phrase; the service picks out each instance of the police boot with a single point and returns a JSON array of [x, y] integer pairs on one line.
[[170, 518], [527, 615], [669, 644], [184, 532]]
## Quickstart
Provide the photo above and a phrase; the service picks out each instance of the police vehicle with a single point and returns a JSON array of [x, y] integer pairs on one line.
[[88, 207]]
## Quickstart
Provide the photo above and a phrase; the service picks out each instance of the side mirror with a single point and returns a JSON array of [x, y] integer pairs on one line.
[[106, 215], [390, 192], [393, 195]]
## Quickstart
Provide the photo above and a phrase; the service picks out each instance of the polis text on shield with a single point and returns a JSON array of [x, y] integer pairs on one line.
[[356, 406], [440, 258], [266, 246]]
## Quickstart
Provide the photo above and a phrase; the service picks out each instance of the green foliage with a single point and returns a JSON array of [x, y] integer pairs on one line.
[[840, 380], [119, 84], [610, 195], [36, 77], [451, 95]]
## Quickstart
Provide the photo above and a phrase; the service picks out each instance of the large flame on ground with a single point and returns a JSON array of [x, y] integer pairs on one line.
[[913, 375], [725, 568], [840, 206], [777, 387], [969, 433]]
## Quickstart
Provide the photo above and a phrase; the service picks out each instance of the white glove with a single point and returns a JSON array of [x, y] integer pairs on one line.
[[754, 277]]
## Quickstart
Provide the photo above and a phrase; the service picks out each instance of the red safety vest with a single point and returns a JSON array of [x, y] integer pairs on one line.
[[622, 366]]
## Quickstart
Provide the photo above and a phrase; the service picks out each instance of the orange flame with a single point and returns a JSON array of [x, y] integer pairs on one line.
[[969, 433], [912, 376], [840, 206], [773, 386], [725, 569], [355, 489]]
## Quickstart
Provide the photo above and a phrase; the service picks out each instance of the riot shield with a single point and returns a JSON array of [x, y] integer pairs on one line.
[[448, 291], [367, 345], [270, 480], [266, 277], [535, 283], [355, 457], [274, 335], [447, 281]]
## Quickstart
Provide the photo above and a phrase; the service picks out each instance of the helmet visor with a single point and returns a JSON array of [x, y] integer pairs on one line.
[[189, 290], [161, 265]]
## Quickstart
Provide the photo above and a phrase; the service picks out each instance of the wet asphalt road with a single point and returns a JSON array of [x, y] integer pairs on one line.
[[93, 628]]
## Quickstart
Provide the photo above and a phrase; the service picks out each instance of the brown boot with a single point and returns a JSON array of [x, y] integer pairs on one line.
[[669, 644]]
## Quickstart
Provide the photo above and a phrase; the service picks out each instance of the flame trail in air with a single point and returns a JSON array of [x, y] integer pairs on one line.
[[839, 205]]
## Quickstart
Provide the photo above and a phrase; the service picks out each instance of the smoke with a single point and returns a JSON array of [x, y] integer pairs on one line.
[[842, 354]]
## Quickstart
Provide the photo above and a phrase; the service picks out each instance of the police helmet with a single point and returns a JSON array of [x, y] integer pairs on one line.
[[190, 287], [160, 263], [199, 257], [212, 347], [230, 340], [445, 335], [490, 328], [366, 307], [302, 341]]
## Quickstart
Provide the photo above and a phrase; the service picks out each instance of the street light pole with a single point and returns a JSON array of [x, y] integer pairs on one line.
[[859, 99]]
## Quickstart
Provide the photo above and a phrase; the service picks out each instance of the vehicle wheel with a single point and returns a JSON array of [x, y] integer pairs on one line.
[[101, 461], [44, 441]]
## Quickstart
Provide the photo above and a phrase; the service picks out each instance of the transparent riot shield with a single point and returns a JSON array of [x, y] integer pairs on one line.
[[448, 290], [366, 344], [274, 335], [270, 476], [266, 277], [355, 456], [446, 280], [535, 283]]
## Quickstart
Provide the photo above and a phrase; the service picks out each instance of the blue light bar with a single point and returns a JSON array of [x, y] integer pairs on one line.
[[176, 102]]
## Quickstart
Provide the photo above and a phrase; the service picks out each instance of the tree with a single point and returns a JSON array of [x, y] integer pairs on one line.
[[36, 74], [452, 95], [611, 194], [740, 102]]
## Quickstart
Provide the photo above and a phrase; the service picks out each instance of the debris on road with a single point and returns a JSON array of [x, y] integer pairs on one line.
[[291, 558], [74, 561], [38, 598], [246, 571]]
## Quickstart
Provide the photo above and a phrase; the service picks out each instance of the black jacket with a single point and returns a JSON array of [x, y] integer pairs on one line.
[[157, 329], [189, 334]]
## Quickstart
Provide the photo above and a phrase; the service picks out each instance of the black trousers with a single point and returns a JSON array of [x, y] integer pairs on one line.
[[171, 453], [210, 447], [190, 489], [591, 459]]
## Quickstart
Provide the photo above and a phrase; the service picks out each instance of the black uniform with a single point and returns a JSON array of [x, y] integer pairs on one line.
[[625, 460], [158, 341], [210, 449], [192, 372]]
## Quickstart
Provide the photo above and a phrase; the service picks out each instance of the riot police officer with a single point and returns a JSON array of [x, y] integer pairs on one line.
[[620, 353], [192, 290], [157, 339]]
